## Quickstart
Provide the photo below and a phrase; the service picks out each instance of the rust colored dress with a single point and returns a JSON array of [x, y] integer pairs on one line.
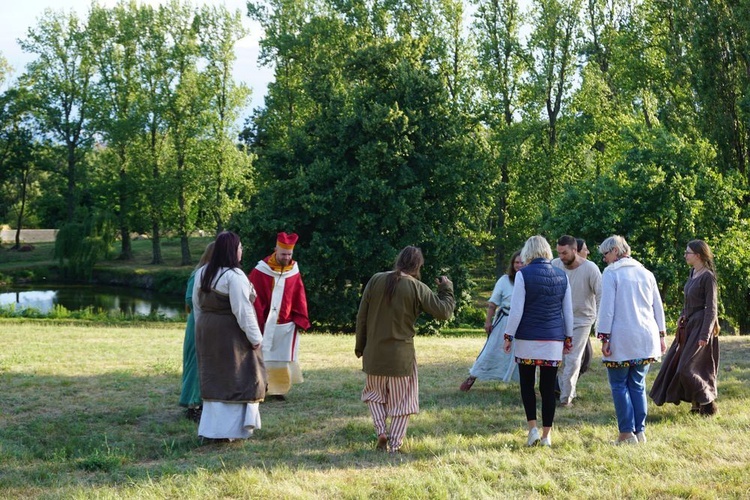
[[688, 372]]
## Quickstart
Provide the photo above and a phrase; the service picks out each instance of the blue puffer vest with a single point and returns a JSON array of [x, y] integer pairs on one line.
[[542, 312]]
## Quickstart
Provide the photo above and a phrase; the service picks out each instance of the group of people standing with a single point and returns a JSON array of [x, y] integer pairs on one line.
[[241, 342], [544, 310]]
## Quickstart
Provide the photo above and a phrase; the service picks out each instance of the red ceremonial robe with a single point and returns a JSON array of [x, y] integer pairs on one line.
[[281, 306], [279, 294]]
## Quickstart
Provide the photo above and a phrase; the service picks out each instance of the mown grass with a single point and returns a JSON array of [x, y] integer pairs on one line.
[[43, 254], [92, 413]]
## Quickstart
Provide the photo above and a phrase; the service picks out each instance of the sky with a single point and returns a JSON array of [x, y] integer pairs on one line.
[[19, 15]]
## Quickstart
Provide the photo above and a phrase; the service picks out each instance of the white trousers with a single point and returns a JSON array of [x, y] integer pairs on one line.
[[567, 377]]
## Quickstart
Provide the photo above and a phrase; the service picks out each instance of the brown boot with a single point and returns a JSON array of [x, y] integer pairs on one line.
[[382, 444], [467, 384]]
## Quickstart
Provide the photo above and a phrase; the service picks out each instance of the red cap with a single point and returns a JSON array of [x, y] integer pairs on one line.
[[286, 241]]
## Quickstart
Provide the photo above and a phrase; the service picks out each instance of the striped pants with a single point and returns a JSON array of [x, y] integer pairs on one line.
[[397, 397]]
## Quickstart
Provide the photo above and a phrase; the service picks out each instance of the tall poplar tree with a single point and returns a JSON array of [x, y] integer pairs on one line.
[[225, 167], [118, 100], [60, 80]]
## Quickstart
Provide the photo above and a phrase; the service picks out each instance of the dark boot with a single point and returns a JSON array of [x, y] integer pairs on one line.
[[467, 384], [194, 413], [709, 409]]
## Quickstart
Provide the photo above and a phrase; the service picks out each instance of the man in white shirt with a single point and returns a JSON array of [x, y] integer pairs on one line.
[[585, 281]]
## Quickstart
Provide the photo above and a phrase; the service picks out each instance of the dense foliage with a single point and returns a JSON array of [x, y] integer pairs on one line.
[[461, 127]]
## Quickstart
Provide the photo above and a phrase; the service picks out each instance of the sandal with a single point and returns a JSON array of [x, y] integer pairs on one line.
[[467, 384]]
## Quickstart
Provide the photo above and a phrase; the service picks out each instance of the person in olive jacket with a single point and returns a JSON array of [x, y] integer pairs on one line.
[[391, 303]]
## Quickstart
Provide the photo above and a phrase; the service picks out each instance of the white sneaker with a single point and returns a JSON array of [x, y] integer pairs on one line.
[[533, 439], [626, 441], [546, 441], [641, 436]]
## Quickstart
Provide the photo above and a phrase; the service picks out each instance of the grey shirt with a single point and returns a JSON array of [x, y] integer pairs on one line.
[[586, 287]]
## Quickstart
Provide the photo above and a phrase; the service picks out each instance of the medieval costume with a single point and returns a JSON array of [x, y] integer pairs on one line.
[[689, 371], [281, 307], [232, 374], [385, 342], [493, 363], [190, 396]]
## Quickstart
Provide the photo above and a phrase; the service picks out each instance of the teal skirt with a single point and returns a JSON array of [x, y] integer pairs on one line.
[[191, 390]]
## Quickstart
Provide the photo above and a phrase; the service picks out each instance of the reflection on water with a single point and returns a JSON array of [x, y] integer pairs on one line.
[[105, 298]]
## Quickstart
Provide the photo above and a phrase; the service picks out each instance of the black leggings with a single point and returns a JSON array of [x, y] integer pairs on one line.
[[547, 377]]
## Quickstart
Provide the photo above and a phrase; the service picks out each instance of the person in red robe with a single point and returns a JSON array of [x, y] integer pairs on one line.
[[281, 306]]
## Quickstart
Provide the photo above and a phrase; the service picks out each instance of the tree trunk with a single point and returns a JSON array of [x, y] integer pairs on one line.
[[71, 182], [182, 205], [186, 260], [502, 209], [19, 220], [126, 252], [156, 257]]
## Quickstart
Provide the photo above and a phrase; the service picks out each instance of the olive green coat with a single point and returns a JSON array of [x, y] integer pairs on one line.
[[385, 330]]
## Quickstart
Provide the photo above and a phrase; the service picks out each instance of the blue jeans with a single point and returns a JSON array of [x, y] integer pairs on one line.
[[629, 394]]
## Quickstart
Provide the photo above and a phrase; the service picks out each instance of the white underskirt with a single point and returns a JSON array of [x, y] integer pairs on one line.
[[546, 350], [228, 420]]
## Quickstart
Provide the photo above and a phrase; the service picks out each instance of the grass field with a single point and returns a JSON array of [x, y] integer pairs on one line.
[[91, 412], [43, 254]]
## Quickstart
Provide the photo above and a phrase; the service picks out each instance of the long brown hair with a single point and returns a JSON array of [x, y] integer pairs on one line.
[[703, 251], [206, 257], [409, 261], [224, 255], [511, 271]]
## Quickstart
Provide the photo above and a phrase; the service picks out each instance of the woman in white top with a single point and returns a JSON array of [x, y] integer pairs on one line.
[[493, 363], [631, 327], [227, 341]]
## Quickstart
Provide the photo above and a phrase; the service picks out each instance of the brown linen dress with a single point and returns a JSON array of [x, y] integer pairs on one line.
[[230, 370], [688, 372]]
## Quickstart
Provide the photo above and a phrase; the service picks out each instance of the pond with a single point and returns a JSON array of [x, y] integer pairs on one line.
[[133, 301]]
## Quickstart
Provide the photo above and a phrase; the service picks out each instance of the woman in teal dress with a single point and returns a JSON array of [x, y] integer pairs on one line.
[[190, 397]]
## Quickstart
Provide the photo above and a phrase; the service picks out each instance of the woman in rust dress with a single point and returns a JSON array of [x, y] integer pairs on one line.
[[689, 370]]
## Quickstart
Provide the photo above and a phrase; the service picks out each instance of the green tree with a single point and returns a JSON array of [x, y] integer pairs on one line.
[[118, 100], [152, 151], [501, 63], [719, 38], [660, 195], [185, 102], [59, 80], [225, 167], [17, 159], [378, 157]]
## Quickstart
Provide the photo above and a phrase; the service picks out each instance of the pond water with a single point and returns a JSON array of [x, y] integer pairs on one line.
[[134, 301]]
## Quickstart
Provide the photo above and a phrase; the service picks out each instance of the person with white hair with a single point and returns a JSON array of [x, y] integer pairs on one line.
[[631, 327]]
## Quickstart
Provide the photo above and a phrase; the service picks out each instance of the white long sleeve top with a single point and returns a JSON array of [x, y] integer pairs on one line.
[[631, 311], [518, 301]]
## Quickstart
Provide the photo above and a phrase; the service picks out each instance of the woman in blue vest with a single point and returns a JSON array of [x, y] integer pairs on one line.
[[540, 329]]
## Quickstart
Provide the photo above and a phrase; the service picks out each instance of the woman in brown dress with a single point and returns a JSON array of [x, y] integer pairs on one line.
[[689, 370], [227, 343]]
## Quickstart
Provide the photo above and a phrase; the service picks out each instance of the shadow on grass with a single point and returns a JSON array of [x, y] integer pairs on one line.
[[120, 427]]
